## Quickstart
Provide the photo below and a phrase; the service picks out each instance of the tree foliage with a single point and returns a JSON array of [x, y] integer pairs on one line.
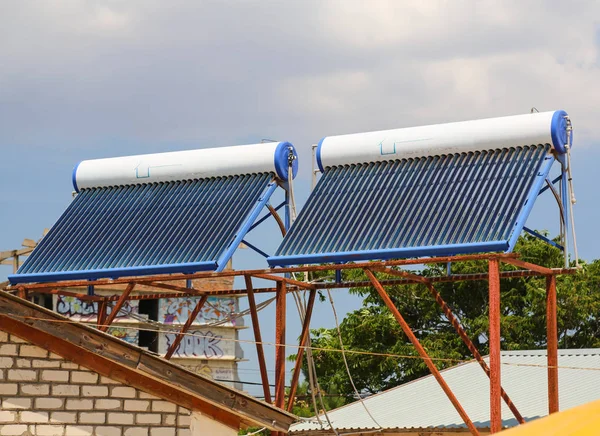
[[373, 329]]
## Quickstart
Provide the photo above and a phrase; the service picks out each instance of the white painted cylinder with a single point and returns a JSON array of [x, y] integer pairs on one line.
[[439, 139], [186, 165]]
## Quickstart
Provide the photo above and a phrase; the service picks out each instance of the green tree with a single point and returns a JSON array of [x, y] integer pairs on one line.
[[373, 329]]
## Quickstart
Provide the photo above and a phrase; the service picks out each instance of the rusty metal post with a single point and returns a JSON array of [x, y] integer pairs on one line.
[[415, 341], [459, 329], [101, 312], [552, 343], [118, 305], [188, 323], [300, 355], [280, 308], [471, 346], [22, 292], [258, 339], [494, 341]]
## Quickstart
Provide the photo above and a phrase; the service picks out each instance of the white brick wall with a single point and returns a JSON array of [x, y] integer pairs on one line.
[[42, 394]]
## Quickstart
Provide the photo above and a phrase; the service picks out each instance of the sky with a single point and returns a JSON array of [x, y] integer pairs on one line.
[[89, 79]]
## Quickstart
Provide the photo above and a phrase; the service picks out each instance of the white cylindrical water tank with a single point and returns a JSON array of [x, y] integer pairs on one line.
[[184, 165], [492, 133]]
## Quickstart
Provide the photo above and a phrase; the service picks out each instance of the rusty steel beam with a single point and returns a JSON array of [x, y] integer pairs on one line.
[[186, 327], [494, 341], [118, 305], [280, 310], [329, 267], [530, 266], [260, 352], [101, 313], [415, 341], [83, 297], [461, 332], [303, 340], [181, 289], [296, 283], [552, 344]]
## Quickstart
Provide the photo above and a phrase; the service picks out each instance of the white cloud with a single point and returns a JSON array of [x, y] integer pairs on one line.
[[226, 71]]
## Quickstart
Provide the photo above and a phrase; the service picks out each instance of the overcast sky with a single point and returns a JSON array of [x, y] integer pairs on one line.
[[85, 79]]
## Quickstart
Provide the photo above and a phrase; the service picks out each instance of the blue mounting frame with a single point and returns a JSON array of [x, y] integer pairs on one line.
[[353, 256]]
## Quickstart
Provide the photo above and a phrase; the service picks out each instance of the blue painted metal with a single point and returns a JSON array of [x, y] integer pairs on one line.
[[543, 238], [266, 217], [158, 228], [74, 177], [281, 160], [538, 181], [558, 131], [114, 273], [399, 253], [255, 248], [436, 205], [245, 225], [319, 162]]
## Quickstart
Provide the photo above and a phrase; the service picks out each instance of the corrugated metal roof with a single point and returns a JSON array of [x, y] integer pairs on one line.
[[451, 204], [423, 404], [182, 226]]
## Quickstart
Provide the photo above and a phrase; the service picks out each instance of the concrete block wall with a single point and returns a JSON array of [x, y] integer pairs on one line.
[[43, 394]]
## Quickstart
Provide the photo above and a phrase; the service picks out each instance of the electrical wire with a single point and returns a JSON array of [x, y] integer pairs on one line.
[[337, 326], [307, 347]]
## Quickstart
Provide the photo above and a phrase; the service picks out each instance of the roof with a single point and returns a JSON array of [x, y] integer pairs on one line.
[[423, 404], [131, 365], [436, 205], [155, 228]]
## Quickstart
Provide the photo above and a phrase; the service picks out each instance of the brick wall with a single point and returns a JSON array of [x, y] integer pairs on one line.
[[43, 394]]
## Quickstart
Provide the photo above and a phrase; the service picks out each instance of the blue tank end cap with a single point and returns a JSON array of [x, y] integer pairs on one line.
[[281, 160], [319, 162], [558, 130], [74, 177]]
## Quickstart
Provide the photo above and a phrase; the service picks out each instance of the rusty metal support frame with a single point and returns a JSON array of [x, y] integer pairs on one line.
[[300, 355], [460, 331], [552, 343], [260, 352], [280, 325], [285, 284], [186, 327], [494, 341], [118, 305], [415, 341]]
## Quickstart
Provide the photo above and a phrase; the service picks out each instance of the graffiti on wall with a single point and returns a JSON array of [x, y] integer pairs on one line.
[[85, 311], [177, 310], [128, 335], [203, 344]]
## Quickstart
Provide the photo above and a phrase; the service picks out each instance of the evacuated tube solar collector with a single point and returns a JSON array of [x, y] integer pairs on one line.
[[435, 190], [178, 212]]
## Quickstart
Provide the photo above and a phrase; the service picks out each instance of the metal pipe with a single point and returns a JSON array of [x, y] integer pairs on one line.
[[411, 336], [494, 341], [278, 219], [258, 339], [280, 309], [299, 356], [552, 344]]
